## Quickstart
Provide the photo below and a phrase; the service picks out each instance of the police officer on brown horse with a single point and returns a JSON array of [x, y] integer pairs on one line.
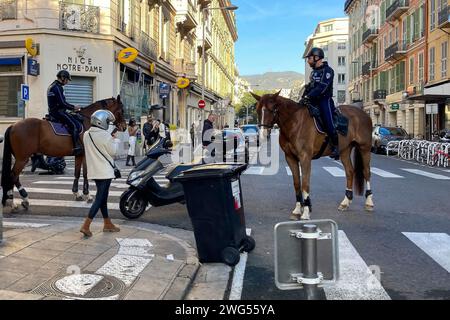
[[319, 93], [58, 107]]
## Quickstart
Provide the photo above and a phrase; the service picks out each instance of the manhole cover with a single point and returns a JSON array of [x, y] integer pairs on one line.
[[83, 286]]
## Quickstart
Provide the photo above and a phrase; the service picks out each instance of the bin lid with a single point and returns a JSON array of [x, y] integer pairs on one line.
[[214, 170]]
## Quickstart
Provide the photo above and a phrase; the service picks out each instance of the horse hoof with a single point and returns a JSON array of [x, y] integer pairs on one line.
[[295, 217], [343, 208], [15, 208], [25, 205], [89, 199], [306, 215], [369, 208]]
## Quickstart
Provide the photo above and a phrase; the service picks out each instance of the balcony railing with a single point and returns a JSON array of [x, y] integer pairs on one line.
[[444, 18], [367, 68], [396, 9], [396, 51], [185, 68], [148, 46], [78, 17], [369, 35], [8, 10], [379, 95]]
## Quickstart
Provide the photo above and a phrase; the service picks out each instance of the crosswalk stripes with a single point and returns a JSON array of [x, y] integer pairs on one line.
[[435, 245], [335, 171], [427, 174], [385, 174]]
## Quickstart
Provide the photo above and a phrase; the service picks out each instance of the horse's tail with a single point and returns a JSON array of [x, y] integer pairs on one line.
[[6, 182], [358, 181]]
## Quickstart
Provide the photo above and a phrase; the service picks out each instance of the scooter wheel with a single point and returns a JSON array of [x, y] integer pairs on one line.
[[132, 205], [231, 256], [248, 244]]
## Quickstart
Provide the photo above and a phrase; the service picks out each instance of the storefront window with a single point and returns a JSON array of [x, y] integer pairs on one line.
[[10, 103]]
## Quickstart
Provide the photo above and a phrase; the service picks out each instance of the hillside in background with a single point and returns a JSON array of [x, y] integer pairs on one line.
[[274, 80]]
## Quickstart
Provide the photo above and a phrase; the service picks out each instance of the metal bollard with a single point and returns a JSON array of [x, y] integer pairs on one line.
[[311, 278]]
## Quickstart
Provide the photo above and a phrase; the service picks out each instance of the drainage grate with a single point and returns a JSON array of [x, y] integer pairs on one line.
[[108, 288]]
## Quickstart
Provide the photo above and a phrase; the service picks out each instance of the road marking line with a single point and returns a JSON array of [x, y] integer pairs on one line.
[[238, 275], [427, 174], [23, 225], [335, 171], [254, 171], [289, 172], [384, 174], [66, 191], [67, 204], [78, 284], [357, 282], [435, 245]]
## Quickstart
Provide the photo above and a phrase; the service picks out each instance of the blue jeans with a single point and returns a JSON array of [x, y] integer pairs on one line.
[[101, 199]]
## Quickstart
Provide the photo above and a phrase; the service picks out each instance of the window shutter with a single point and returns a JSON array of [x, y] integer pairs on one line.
[[416, 25], [408, 29]]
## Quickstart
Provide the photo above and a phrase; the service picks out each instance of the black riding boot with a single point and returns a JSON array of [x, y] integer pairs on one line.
[[334, 147], [77, 147]]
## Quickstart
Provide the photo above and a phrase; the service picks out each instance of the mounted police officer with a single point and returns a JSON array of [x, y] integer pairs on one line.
[[319, 92], [58, 107]]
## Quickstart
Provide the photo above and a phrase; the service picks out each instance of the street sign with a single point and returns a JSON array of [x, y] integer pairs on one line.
[[395, 106], [432, 108], [288, 253], [33, 67], [127, 55], [202, 104], [164, 90], [25, 92]]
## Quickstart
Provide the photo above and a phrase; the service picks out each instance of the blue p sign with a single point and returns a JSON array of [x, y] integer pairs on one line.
[[25, 89]]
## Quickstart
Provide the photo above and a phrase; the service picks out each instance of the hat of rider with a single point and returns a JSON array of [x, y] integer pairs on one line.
[[64, 74]]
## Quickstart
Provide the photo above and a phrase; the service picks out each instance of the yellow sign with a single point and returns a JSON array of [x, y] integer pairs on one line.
[[183, 83], [152, 67], [31, 47], [127, 55]]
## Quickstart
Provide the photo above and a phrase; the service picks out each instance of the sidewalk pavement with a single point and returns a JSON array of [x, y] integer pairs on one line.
[[47, 258]]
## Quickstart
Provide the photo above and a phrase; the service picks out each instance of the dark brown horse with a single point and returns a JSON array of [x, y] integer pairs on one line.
[[31, 135], [301, 142]]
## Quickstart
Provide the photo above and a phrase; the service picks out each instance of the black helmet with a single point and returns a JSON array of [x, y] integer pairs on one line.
[[64, 74], [316, 52]]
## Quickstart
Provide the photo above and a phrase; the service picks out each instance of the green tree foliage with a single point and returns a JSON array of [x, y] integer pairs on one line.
[[248, 101]]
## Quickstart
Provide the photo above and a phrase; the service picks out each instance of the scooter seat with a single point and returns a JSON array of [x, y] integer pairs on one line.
[[176, 170]]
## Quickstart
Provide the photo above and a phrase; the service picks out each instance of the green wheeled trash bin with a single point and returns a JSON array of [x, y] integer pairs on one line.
[[214, 201]]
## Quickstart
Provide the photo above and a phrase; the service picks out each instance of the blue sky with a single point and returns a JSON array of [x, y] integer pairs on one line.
[[272, 32]]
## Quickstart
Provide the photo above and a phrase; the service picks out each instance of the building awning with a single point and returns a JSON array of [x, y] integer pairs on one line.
[[439, 92], [10, 61]]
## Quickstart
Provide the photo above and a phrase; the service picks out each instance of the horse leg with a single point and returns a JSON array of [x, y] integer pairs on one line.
[[293, 165], [76, 193], [369, 206], [305, 163], [349, 174], [16, 170], [87, 197]]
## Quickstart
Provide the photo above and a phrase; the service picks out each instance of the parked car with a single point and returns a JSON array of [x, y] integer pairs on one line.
[[251, 132], [240, 148], [382, 135]]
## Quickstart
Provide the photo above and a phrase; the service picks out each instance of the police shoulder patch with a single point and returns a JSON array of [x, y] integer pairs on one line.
[[328, 75]]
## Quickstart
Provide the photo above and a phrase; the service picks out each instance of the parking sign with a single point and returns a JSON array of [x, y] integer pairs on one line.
[[25, 90]]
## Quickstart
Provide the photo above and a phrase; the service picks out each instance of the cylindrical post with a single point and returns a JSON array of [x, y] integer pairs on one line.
[[309, 262], [203, 62]]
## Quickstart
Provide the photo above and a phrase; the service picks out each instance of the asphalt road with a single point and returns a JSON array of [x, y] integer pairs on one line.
[[408, 203]]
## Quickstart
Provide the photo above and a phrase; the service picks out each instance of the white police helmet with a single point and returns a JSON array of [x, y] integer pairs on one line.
[[102, 118]]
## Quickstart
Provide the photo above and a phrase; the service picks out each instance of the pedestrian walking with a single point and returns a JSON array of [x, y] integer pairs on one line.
[[132, 132], [100, 148], [192, 132], [208, 137], [147, 130]]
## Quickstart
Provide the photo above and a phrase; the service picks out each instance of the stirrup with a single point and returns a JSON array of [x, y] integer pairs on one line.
[[78, 151]]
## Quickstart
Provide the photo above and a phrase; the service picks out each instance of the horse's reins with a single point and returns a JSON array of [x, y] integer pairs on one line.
[[275, 116]]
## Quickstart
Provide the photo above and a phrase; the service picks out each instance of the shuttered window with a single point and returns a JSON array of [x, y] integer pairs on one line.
[[79, 91], [10, 103]]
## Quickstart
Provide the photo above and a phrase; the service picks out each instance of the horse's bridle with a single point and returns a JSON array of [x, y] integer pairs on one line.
[[275, 117]]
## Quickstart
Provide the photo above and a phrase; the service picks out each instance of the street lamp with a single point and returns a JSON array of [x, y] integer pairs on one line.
[[229, 8]]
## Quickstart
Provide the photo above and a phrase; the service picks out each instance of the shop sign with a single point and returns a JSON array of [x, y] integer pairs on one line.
[[31, 47], [152, 67], [183, 83], [127, 55], [79, 63]]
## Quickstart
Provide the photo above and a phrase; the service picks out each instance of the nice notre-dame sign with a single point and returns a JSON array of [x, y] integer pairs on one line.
[[79, 63]]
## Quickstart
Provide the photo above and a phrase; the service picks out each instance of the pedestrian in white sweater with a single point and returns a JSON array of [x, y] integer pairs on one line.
[[100, 148]]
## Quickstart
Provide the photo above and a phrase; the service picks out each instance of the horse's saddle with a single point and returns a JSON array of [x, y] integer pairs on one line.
[[60, 129], [340, 121]]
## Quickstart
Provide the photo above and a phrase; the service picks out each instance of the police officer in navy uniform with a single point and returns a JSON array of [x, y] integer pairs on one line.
[[319, 92], [58, 107]]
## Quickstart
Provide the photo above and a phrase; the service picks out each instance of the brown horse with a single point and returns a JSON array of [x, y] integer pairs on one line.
[[301, 142], [30, 136]]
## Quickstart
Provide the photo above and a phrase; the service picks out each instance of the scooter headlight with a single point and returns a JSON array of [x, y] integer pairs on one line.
[[135, 175], [136, 182]]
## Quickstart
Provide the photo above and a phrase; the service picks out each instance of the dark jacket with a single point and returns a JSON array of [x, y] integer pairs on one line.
[[56, 99], [321, 83], [147, 130], [206, 136]]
